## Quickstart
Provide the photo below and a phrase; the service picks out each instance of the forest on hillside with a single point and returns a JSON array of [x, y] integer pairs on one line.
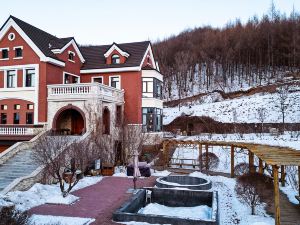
[[261, 51]]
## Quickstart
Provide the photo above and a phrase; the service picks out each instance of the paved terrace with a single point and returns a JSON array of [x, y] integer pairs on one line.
[[98, 201]]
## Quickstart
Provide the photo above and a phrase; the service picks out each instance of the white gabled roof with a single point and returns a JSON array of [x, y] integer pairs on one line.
[[115, 47]]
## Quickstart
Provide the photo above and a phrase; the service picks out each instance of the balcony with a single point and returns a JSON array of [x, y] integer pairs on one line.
[[18, 132], [84, 91]]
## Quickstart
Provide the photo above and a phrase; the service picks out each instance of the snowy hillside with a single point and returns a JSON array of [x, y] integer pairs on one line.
[[239, 110]]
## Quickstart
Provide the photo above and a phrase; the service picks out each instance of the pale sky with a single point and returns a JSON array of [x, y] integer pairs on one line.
[[105, 21]]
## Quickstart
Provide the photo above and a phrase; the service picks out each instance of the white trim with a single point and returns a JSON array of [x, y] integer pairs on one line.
[[11, 23], [2, 68], [92, 79], [119, 76], [111, 70], [69, 52], [152, 103], [4, 59], [21, 47], [72, 42], [152, 74], [64, 76], [36, 96], [18, 57], [54, 62], [115, 47], [13, 36], [149, 49], [73, 53], [7, 48]]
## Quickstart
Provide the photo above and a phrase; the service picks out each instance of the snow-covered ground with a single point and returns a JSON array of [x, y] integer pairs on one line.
[[239, 110], [231, 210], [202, 212], [40, 194], [61, 220]]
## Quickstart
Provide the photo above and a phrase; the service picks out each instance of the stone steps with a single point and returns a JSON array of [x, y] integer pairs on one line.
[[18, 166]]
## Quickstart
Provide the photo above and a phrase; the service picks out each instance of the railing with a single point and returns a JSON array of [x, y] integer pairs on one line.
[[18, 131], [84, 90]]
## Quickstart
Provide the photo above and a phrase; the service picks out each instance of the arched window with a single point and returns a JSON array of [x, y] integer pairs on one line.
[[115, 59], [106, 121]]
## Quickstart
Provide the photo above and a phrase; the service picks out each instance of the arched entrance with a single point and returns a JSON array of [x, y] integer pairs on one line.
[[69, 120]]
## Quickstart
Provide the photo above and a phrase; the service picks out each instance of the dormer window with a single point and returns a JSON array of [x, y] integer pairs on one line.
[[71, 56], [115, 59]]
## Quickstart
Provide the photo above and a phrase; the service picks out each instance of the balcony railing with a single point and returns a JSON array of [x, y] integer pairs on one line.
[[17, 131], [83, 91]]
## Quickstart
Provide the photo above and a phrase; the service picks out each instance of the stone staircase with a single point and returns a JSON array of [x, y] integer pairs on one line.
[[18, 171], [18, 166]]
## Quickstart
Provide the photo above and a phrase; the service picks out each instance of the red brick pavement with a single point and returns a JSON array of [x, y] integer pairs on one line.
[[98, 201]]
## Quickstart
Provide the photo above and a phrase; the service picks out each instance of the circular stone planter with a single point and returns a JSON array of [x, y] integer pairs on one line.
[[194, 183]]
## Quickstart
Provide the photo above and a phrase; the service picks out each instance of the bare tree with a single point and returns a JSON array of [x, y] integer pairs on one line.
[[133, 139], [53, 152], [283, 102], [261, 116], [253, 188]]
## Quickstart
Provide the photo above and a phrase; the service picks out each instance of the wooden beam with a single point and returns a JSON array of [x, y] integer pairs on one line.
[[200, 157], [251, 162], [260, 167], [232, 161], [282, 177], [206, 158], [276, 195]]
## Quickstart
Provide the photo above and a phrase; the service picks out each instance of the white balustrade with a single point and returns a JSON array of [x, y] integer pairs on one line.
[[18, 131], [84, 90]]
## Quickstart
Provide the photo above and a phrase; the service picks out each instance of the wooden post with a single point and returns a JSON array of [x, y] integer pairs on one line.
[[299, 179], [251, 162], [282, 177], [206, 158], [165, 153], [200, 157], [232, 161], [260, 167], [276, 195]]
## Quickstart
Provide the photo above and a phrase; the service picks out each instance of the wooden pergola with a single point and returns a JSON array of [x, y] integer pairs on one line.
[[277, 157]]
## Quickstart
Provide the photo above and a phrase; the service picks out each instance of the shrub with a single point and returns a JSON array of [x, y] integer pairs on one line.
[[254, 188], [213, 160], [9, 215], [241, 168]]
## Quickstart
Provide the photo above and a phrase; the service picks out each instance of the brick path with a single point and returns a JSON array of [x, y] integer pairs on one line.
[[98, 201]]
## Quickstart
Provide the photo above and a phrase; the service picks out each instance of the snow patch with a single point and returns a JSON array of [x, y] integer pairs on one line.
[[202, 212], [40, 194], [61, 220]]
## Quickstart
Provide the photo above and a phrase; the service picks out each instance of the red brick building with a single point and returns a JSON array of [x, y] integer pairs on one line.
[[44, 78]]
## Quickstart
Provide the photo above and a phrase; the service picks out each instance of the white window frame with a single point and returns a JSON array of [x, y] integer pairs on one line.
[[24, 76], [11, 38], [73, 53], [64, 76], [93, 79], [1, 53], [15, 80], [21, 47], [118, 57], [110, 79]]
